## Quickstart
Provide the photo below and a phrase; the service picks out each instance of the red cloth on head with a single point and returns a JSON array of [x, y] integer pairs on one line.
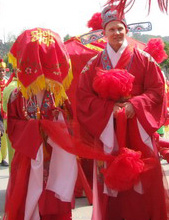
[[39, 55]]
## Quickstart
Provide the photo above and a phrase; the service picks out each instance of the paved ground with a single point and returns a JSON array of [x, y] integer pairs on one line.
[[82, 209]]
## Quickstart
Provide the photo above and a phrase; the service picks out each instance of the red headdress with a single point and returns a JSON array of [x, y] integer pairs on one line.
[[95, 22], [122, 5], [42, 62], [155, 47], [110, 13]]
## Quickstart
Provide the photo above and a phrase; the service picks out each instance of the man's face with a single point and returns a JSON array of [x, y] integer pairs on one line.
[[2, 73], [115, 32]]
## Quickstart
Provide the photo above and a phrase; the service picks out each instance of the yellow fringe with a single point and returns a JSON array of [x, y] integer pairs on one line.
[[68, 79], [34, 88], [12, 60], [58, 90], [41, 83]]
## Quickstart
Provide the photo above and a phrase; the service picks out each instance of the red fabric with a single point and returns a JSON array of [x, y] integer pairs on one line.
[[28, 128], [149, 102], [25, 136], [80, 54], [124, 169], [95, 112], [17, 187], [40, 45], [153, 94], [71, 144], [67, 216]]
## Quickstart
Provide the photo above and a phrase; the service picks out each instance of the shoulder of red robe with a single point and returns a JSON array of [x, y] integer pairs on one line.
[[149, 57]]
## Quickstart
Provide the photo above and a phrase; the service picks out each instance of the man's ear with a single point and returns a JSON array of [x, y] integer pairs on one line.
[[127, 30]]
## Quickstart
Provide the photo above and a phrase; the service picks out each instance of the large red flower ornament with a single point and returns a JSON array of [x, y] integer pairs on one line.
[[113, 84]]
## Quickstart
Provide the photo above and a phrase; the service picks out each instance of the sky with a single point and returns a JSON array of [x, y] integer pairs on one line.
[[69, 16]]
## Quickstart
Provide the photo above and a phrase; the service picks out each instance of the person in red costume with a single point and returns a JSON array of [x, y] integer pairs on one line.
[[124, 80], [43, 176], [3, 81]]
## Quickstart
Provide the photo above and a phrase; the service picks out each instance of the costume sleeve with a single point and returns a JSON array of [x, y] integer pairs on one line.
[[7, 92], [24, 134], [150, 106], [93, 112]]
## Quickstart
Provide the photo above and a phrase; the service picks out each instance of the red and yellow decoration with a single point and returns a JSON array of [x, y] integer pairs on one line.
[[42, 62], [2, 64]]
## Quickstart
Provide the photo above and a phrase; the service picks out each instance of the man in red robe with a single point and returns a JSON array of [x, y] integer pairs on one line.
[[145, 110], [42, 178]]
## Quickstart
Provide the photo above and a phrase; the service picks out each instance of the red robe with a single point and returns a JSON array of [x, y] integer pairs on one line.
[[26, 137], [148, 100], [2, 86]]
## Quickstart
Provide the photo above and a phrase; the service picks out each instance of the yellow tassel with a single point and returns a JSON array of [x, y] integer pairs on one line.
[[92, 47], [12, 60], [68, 79], [58, 90], [34, 88]]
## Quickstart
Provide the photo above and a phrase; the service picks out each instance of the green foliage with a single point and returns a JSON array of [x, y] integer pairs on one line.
[[165, 65], [67, 37], [146, 37]]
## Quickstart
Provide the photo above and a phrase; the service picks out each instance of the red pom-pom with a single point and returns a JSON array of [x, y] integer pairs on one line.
[[155, 47], [95, 22], [123, 172], [113, 84]]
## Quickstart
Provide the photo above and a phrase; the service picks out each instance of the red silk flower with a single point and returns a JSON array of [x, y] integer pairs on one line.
[[155, 47], [113, 84], [95, 22], [124, 172]]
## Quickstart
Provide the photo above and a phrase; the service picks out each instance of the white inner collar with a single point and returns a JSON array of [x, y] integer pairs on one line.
[[115, 56]]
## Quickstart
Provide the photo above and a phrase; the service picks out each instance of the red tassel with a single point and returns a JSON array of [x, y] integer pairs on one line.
[[123, 173], [155, 47], [95, 22], [123, 6]]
